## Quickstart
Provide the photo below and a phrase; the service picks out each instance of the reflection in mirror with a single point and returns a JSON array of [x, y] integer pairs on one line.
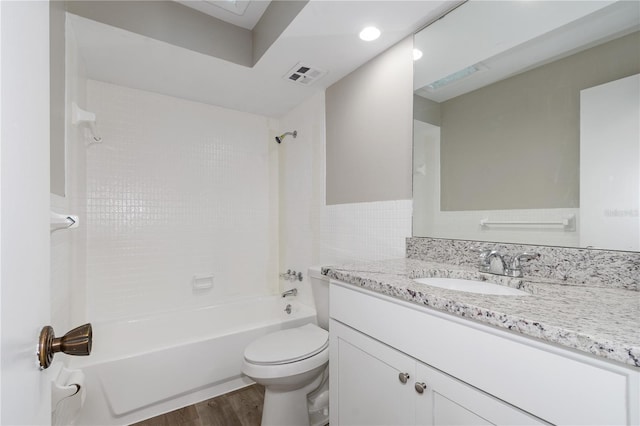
[[526, 124]]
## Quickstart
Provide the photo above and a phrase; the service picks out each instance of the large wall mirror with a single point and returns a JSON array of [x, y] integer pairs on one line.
[[527, 124]]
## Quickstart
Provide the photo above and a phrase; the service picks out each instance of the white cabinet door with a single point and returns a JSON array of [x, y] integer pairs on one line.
[[448, 401], [367, 388], [365, 381]]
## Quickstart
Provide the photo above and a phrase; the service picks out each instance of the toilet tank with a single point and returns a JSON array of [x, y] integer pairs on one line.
[[320, 289]]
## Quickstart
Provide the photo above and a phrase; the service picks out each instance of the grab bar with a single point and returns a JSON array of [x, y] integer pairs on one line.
[[566, 222]]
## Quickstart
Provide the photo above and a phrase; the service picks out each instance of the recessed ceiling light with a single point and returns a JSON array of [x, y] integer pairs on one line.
[[417, 54], [369, 34]]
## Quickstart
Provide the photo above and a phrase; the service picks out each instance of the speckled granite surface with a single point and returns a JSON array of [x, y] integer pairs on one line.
[[570, 266], [598, 320]]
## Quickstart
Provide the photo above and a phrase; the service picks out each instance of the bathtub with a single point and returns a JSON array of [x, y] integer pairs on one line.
[[145, 367]]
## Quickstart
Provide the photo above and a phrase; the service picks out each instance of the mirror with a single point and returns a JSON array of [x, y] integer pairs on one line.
[[526, 124]]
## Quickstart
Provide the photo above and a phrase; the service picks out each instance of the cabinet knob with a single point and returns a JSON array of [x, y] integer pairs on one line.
[[420, 387], [403, 377]]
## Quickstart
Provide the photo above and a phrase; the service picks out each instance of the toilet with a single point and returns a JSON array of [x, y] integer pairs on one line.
[[292, 365]]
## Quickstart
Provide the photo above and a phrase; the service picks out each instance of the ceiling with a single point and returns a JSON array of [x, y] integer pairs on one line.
[[243, 13], [323, 35]]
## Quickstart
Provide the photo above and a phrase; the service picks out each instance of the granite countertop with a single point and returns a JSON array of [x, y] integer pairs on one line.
[[600, 321]]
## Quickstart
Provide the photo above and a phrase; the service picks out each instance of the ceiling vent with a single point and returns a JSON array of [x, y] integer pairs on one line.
[[304, 75]]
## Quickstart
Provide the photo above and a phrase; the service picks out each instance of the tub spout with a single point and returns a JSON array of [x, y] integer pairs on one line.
[[292, 292]]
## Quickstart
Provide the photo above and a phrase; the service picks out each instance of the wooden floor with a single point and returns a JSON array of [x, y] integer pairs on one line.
[[240, 408]]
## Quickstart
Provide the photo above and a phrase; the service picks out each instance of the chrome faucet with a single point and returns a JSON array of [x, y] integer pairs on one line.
[[515, 266], [292, 292], [497, 264], [494, 262], [484, 264]]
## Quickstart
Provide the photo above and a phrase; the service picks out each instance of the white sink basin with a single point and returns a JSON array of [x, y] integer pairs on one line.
[[470, 286]]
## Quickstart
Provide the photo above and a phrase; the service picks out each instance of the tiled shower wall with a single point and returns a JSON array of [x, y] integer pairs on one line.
[[176, 190]]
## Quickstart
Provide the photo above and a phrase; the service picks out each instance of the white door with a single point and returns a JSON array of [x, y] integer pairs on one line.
[[24, 209], [610, 165]]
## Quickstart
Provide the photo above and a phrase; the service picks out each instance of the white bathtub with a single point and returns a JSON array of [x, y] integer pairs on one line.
[[146, 367]]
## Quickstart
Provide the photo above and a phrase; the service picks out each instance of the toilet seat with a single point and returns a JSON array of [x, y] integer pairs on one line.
[[288, 359], [287, 346]]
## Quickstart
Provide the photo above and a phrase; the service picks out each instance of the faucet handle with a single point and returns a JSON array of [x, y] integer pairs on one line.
[[524, 256], [515, 266], [484, 262]]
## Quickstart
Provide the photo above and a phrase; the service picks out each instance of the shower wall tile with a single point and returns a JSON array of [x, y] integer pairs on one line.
[[298, 167], [175, 189]]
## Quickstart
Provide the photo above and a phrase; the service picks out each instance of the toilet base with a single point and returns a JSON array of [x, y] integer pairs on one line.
[[319, 418], [318, 402], [286, 407]]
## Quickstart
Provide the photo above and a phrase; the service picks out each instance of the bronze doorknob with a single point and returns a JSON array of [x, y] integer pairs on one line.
[[76, 342]]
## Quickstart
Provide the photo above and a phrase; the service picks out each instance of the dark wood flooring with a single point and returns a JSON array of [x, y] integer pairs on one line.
[[239, 408]]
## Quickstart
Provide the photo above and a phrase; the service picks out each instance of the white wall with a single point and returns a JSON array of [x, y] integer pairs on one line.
[[175, 189]]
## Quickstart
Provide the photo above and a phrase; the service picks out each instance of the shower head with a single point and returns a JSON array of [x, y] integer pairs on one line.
[[280, 138]]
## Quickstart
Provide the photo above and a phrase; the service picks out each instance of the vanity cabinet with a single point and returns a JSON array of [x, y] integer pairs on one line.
[[375, 384], [472, 373]]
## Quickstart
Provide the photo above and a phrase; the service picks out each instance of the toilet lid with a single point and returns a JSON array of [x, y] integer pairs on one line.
[[286, 346]]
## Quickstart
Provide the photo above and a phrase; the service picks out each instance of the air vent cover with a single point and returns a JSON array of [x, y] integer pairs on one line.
[[304, 74]]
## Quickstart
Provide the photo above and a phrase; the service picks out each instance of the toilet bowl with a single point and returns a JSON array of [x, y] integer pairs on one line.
[[293, 363]]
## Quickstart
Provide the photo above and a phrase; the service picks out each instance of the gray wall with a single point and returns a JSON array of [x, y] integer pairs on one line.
[[426, 110], [273, 22], [369, 130], [515, 144]]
